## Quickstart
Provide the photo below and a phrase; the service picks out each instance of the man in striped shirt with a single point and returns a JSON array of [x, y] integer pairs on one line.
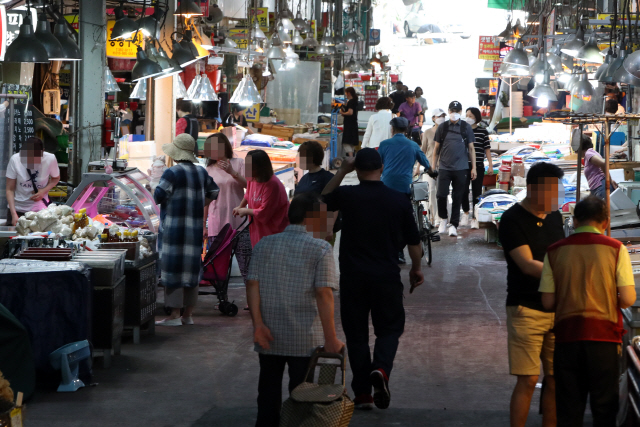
[[587, 278]]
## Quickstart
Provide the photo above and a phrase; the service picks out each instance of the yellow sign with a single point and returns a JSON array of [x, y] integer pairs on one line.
[[123, 49], [74, 20], [240, 36], [252, 114], [262, 15]]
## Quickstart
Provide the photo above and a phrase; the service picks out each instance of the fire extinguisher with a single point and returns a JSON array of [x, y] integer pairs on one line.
[[111, 129]]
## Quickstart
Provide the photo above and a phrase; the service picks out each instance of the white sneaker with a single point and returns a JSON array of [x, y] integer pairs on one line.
[[187, 320], [443, 226], [169, 322], [474, 224], [464, 220], [452, 231]]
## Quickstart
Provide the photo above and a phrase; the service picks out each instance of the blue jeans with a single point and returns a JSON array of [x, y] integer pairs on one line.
[[601, 190]]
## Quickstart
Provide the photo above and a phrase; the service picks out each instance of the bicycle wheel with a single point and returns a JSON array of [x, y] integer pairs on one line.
[[428, 227]]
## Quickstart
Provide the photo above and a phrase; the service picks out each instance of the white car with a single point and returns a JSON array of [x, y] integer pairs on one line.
[[417, 22]]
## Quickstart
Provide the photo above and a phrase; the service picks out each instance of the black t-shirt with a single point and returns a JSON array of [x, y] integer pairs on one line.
[[377, 222], [398, 98], [351, 120], [519, 227], [313, 182]]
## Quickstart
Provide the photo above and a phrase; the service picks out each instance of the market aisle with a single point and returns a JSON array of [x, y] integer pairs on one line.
[[451, 368]]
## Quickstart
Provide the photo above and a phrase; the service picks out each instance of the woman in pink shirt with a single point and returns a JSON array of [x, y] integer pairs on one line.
[[266, 198], [227, 172]]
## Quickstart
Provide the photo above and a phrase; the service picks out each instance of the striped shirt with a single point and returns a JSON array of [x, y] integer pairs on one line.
[[481, 143]]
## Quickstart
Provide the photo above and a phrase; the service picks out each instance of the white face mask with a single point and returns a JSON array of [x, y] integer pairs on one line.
[[470, 120], [439, 120], [455, 116]]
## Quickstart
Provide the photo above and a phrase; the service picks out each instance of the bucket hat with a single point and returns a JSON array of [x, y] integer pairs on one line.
[[181, 148]]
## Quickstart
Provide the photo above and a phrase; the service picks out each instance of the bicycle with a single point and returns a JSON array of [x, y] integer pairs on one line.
[[426, 230]]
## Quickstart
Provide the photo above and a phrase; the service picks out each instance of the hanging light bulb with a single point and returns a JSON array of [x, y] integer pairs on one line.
[[554, 60], [310, 41], [228, 42], [110, 84], [537, 70], [297, 38], [543, 89], [247, 95], [583, 89], [298, 22], [205, 90], [507, 33], [517, 56], [125, 27], [603, 68], [616, 63], [139, 90], [175, 66], [182, 56], [44, 35], [26, 47], [150, 25], [181, 91], [322, 50], [188, 9], [327, 40], [70, 49], [256, 32], [255, 46], [152, 53], [590, 52], [215, 14], [572, 46], [144, 67], [193, 88], [276, 51]]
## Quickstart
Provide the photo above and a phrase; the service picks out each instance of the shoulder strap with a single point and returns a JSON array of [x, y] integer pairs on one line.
[[463, 131], [445, 130]]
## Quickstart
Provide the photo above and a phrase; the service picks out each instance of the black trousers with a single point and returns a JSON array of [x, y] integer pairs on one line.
[[586, 368], [270, 385], [383, 300], [458, 179], [416, 135], [476, 189]]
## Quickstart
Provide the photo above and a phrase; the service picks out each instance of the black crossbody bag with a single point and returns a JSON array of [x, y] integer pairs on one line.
[[32, 178]]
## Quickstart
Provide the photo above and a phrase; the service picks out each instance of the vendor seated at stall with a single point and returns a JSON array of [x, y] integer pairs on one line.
[[236, 117], [594, 169], [31, 173]]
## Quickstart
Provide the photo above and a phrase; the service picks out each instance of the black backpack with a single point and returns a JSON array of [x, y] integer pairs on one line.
[[463, 131]]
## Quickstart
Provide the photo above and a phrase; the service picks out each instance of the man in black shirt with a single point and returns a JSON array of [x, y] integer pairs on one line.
[[526, 231], [369, 273], [398, 97]]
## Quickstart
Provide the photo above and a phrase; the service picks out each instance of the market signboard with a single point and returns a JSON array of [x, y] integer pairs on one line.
[[74, 20], [252, 114], [488, 49], [374, 37], [123, 49], [262, 15], [371, 96], [240, 36], [23, 127], [496, 68], [3, 32]]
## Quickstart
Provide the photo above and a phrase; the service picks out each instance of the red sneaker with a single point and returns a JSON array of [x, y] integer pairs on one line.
[[364, 402], [380, 383]]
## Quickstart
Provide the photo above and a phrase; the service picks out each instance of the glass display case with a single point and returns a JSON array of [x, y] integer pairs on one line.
[[123, 198]]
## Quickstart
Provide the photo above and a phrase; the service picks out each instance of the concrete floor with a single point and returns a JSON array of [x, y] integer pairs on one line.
[[451, 368]]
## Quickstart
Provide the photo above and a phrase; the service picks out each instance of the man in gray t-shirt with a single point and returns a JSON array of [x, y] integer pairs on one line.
[[453, 151]]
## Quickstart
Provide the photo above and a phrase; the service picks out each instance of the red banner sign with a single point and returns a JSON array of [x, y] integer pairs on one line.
[[496, 68], [488, 49]]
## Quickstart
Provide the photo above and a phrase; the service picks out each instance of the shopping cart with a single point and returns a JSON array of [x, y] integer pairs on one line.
[[216, 269]]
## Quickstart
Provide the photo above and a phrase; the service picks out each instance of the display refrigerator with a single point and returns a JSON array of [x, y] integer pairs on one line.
[[122, 198]]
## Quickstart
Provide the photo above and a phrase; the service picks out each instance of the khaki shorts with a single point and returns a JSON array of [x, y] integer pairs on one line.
[[530, 341]]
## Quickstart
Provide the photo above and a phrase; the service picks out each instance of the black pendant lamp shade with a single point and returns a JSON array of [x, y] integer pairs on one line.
[[144, 67], [26, 47], [182, 56], [70, 50], [187, 43], [150, 25], [124, 27], [47, 39], [188, 9]]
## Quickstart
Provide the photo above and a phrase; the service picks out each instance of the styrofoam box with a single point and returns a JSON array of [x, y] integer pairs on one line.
[[142, 149]]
